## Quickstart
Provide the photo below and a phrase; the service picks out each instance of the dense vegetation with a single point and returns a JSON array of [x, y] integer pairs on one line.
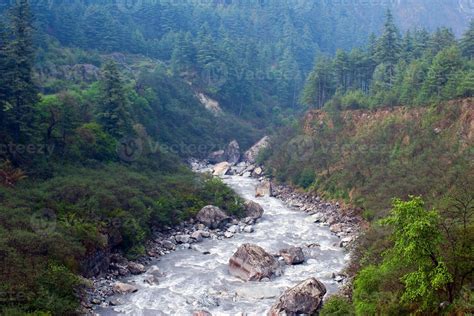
[[414, 69], [99, 104], [364, 148], [86, 169]]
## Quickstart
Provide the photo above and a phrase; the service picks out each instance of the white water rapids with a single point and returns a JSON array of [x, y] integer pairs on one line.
[[194, 281]]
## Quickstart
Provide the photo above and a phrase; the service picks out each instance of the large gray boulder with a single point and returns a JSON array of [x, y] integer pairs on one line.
[[136, 268], [213, 217], [124, 288], [292, 255], [232, 152], [304, 298], [264, 188], [252, 154], [221, 169], [253, 263], [253, 209]]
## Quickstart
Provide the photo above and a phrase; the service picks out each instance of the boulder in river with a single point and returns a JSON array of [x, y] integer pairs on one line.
[[264, 188], [182, 239], [221, 169], [232, 152], [252, 263], [213, 217], [124, 288], [253, 209], [304, 298], [292, 255], [136, 268]]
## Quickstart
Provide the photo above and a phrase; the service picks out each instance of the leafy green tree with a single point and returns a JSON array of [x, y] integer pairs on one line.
[[114, 113], [417, 240]]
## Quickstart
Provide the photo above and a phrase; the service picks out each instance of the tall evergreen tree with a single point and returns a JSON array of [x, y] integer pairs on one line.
[[320, 86], [388, 48], [22, 94], [467, 42], [441, 39], [114, 114], [443, 68]]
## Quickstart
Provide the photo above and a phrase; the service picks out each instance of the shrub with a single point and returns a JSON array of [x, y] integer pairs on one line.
[[337, 306]]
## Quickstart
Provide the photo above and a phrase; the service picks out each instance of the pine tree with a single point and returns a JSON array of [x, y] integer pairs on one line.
[[467, 42], [408, 47], [320, 86], [114, 114], [421, 42], [388, 48], [441, 39], [444, 67], [183, 56], [341, 69], [22, 93]]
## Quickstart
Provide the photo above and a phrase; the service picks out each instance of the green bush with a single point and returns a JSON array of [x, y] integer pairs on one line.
[[337, 306]]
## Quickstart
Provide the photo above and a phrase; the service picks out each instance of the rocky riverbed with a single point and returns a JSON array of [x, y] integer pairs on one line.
[[185, 274], [290, 250]]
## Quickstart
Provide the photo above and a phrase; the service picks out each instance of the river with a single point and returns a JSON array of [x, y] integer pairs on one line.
[[195, 281]]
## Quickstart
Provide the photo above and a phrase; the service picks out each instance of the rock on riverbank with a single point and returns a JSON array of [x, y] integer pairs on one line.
[[210, 223]]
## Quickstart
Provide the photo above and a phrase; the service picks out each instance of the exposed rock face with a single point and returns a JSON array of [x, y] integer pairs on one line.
[[210, 104], [123, 288], [221, 169], [304, 298], [201, 313], [252, 154], [253, 210], [264, 189], [292, 255], [252, 263], [233, 152], [212, 217]]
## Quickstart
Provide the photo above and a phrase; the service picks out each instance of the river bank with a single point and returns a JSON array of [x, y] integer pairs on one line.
[[126, 277]]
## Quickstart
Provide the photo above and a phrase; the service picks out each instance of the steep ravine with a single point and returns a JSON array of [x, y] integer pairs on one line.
[[197, 278]]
